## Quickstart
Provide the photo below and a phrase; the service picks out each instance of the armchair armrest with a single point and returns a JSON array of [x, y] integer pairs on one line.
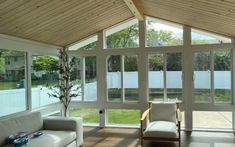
[[178, 115], [65, 124], [145, 114]]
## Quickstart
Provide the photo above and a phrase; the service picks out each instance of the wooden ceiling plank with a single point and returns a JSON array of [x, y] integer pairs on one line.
[[47, 13], [18, 12], [193, 7], [186, 15], [205, 6], [28, 19], [75, 28], [60, 20], [137, 11], [70, 18], [6, 4], [193, 11], [190, 19], [100, 26]]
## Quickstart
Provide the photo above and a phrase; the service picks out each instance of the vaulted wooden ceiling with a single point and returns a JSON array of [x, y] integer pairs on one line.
[[63, 22]]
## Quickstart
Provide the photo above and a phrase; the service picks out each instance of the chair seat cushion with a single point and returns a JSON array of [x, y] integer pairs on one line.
[[163, 129]]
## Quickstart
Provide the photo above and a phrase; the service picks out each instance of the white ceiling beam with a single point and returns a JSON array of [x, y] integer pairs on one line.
[[15, 43], [135, 8]]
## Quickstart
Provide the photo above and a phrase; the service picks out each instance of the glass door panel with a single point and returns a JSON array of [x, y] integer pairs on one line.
[[156, 77], [202, 77]]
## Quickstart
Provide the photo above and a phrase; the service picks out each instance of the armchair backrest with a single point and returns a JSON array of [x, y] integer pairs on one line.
[[163, 112]]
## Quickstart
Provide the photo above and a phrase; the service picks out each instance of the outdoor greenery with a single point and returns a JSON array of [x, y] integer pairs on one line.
[[7, 85], [221, 95], [115, 116], [123, 116], [88, 115]]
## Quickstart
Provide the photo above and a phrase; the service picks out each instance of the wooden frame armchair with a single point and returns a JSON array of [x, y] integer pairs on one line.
[[163, 122]]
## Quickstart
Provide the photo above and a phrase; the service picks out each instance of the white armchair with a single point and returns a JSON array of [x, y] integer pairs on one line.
[[163, 122]]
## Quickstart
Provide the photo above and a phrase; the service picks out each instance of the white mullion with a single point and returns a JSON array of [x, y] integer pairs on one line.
[[101, 75], [212, 94], [143, 70], [187, 77], [233, 82], [83, 76], [122, 80], [164, 77], [28, 80]]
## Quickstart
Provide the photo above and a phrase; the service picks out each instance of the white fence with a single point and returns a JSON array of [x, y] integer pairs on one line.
[[173, 79], [14, 100]]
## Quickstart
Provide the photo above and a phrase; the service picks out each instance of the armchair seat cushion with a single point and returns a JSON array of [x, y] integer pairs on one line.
[[163, 129]]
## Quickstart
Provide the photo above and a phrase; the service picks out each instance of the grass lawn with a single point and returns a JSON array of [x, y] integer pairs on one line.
[[88, 115], [115, 116], [7, 85], [120, 116]]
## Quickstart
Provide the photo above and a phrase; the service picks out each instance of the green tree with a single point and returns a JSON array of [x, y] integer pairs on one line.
[[161, 37], [45, 63], [2, 62], [126, 38], [156, 62], [201, 61], [130, 63], [90, 46], [222, 60], [174, 61]]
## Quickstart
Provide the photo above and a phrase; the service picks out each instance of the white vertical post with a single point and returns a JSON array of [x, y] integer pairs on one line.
[[187, 77], [122, 79], [101, 78], [212, 94], [28, 81], [233, 82], [83, 77], [164, 77], [143, 70]]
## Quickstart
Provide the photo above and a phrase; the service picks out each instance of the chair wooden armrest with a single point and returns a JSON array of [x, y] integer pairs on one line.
[[144, 116]]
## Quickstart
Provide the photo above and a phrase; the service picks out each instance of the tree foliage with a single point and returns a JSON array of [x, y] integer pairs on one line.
[[2, 62], [45, 63], [126, 38]]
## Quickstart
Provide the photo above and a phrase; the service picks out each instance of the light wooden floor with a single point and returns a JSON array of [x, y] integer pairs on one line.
[[121, 137]]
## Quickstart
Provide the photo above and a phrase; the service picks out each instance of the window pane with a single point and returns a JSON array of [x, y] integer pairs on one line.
[[114, 78], [44, 75], [222, 76], [125, 35], [163, 33], [76, 75], [155, 75], [202, 77], [202, 37], [12, 82], [90, 91], [131, 78], [90, 43], [215, 120], [88, 115], [174, 76], [123, 116]]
